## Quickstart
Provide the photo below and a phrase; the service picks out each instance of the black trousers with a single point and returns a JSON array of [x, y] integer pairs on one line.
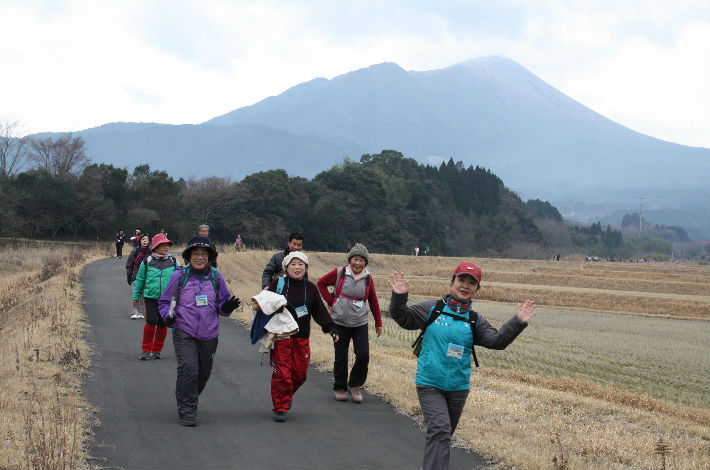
[[361, 346], [119, 250], [194, 366]]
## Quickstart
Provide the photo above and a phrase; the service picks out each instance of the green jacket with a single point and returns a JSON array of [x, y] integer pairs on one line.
[[153, 277]]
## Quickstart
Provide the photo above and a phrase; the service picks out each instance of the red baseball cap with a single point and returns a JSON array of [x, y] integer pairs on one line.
[[469, 268]]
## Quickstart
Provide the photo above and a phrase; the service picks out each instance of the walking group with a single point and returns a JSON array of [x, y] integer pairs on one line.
[[189, 298]]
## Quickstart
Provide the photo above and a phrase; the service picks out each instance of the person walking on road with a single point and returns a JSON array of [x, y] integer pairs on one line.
[[238, 244], [204, 231], [275, 265], [192, 302], [290, 356], [135, 239], [153, 275], [353, 286], [450, 330], [121, 239], [134, 261]]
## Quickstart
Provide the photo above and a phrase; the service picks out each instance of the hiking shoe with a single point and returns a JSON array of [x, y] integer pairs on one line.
[[355, 393], [340, 395], [280, 417], [156, 355], [145, 356], [134, 316], [139, 315], [188, 422]]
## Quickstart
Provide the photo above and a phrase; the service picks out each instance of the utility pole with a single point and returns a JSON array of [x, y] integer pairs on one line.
[[640, 216]]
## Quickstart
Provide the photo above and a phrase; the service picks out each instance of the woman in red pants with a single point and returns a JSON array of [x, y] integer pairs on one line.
[[290, 356]]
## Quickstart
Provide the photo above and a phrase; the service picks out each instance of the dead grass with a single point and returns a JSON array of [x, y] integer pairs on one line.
[[44, 420], [590, 389]]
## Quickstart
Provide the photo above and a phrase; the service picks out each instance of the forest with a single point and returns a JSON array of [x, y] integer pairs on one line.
[[387, 201]]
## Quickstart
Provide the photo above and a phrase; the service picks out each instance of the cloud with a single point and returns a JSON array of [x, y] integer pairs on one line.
[[80, 63]]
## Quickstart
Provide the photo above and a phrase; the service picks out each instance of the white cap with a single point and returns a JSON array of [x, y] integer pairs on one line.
[[294, 254]]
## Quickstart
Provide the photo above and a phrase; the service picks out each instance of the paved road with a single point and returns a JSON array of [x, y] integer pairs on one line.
[[138, 415]]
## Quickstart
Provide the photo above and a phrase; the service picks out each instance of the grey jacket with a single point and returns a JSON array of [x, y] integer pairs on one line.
[[273, 267], [414, 317]]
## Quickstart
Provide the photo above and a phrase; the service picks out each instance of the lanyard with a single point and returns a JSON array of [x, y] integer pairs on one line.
[[305, 292]]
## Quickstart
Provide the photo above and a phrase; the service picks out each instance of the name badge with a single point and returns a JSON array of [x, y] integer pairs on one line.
[[201, 300], [358, 303], [301, 311], [455, 351]]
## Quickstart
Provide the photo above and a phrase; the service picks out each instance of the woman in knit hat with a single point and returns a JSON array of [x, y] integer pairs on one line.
[[450, 328], [290, 356], [353, 287]]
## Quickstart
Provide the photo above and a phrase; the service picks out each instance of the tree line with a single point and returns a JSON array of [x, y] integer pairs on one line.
[[50, 189]]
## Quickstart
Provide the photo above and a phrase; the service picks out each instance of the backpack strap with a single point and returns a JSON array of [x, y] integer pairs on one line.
[[434, 313], [280, 284], [340, 280], [186, 271]]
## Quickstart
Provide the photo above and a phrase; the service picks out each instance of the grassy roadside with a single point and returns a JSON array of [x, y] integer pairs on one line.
[[589, 389], [44, 420]]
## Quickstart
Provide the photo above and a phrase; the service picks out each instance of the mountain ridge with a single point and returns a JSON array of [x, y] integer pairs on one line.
[[489, 111]]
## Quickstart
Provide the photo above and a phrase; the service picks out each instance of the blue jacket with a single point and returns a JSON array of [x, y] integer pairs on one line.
[[199, 321], [445, 358]]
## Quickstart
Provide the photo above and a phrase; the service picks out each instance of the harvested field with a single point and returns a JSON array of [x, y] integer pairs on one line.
[[601, 388]]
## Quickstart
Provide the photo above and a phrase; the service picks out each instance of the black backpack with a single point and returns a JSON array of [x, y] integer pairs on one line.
[[434, 314]]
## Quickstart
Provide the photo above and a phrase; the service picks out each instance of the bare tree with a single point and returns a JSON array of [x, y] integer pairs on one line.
[[13, 150], [63, 156]]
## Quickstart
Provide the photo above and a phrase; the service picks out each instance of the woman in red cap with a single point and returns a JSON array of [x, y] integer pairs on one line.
[[152, 279], [450, 328]]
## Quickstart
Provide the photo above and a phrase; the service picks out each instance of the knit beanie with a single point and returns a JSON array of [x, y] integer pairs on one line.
[[359, 250], [294, 254]]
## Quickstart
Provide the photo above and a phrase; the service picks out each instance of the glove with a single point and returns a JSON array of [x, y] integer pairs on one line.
[[129, 281], [229, 306], [170, 320], [333, 331]]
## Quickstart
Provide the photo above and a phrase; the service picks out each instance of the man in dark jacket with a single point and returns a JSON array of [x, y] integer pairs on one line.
[[120, 240], [273, 267]]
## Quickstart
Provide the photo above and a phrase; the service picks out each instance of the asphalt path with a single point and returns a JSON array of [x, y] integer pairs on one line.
[[138, 426]]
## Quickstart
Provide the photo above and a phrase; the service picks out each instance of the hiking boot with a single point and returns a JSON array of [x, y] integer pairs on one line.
[[145, 356], [156, 355], [355, 393], [188, 422], [340, 395], [280, 417]]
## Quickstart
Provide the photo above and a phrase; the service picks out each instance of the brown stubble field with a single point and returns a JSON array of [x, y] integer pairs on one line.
[[616, 361], [588, 386], [44, 419]]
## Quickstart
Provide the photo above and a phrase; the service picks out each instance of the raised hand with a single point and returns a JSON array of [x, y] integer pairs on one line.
[[231, 304], [526, 311], [399, 284]]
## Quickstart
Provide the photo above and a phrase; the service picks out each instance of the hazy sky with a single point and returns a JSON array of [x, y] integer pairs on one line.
[[71, 65]]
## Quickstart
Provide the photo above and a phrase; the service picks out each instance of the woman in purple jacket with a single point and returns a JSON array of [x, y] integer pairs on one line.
[[191, 303]]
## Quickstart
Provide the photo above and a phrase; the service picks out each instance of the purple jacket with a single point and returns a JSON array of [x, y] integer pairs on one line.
[[200, 322]]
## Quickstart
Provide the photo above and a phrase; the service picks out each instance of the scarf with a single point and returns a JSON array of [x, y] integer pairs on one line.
[[143, 252]]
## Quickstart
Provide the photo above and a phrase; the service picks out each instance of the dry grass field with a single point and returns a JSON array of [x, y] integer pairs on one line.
[[608, 370], [44, 421], [601, 377]]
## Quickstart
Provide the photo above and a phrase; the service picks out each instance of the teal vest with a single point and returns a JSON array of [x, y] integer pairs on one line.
[[445, 358]]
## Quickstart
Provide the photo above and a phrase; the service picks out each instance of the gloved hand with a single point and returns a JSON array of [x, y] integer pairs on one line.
[[170, 320], [229, 306], [129, 280], [334, 333]]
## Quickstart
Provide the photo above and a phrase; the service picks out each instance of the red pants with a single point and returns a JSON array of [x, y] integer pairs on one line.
[[153, 338], [289, 363]]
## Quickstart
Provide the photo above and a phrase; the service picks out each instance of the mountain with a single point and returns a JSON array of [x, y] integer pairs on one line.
[[489, 112]]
